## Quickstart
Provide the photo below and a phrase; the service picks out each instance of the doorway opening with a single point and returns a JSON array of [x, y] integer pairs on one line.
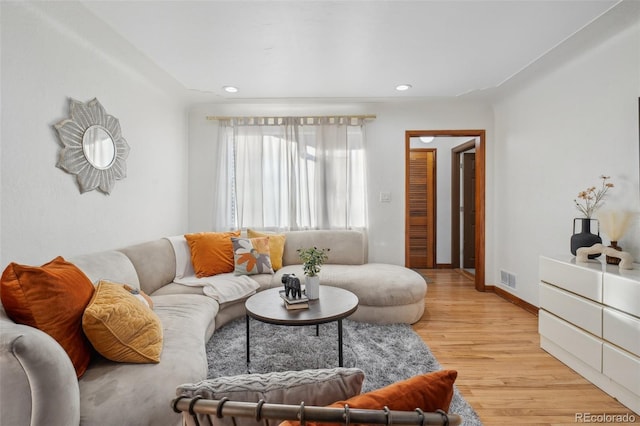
[[475, 199], [463, 208]]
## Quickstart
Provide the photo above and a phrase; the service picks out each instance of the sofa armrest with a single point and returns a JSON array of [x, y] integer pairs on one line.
[[38, 384]]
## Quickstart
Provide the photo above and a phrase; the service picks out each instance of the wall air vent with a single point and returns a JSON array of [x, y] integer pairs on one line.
[[508, 279]]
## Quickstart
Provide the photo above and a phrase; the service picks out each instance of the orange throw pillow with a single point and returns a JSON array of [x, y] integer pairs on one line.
[[211, 252], [51, 298], [429, 392]]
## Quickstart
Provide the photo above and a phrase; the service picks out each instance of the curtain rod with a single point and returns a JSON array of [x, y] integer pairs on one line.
[[222, 117], [261, 410]]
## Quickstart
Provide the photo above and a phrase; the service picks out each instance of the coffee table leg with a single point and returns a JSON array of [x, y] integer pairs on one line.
[[248, 359], [340, 343]]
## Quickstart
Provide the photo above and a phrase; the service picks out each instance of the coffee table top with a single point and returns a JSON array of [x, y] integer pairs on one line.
[[334, 304]]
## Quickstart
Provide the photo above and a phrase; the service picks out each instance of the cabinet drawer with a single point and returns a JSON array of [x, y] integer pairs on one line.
[[622, 330], [584, 279], [622, 291], [622, 367], [574, 309], [581, 344]]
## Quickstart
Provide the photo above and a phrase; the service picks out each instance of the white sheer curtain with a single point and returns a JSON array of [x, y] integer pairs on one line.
[[291, 173]]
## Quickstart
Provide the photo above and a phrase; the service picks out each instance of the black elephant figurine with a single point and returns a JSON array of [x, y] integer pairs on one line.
[[292, 285]]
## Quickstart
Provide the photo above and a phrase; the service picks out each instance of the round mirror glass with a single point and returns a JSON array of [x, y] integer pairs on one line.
[[98, 147]]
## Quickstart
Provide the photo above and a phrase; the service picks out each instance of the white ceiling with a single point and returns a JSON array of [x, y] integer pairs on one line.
[[346, 49]]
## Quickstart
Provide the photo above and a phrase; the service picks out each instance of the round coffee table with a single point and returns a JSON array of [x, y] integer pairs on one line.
[[334, 304]]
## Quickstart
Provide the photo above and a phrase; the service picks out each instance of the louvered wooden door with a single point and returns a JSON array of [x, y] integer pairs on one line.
[[420, 233]]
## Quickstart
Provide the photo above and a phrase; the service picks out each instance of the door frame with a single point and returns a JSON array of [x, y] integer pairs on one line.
[[456, 154], [479, 143]]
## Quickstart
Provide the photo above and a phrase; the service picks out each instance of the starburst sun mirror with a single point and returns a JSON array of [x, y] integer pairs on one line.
[[93, 147]]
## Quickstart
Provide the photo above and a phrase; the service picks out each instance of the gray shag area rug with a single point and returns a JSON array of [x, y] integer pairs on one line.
[[386, 353]]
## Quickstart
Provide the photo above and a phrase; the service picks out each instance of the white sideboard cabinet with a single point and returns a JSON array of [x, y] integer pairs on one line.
[[589, 319]]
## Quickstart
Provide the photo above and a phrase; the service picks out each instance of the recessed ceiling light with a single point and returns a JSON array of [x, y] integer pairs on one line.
[[427, 139], [403, 87], [230, 89]]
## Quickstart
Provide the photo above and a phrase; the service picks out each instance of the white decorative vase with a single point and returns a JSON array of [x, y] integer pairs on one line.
[[312, 287]]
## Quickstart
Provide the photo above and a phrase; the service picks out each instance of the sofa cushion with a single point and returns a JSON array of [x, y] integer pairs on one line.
[[154, 262], [251, 256], [211, 252], [314, 387], [51, 298], [175, 288], [276, 246], [107, 265], [375, 284], [121, 327], [347, 247], [139, 394]]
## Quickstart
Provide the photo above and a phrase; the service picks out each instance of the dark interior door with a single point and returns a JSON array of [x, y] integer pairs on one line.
[[469, 209]]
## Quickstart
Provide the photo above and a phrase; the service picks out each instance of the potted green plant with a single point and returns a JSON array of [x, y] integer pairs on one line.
[[312, 259]]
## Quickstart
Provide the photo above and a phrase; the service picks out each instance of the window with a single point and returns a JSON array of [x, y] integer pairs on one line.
[[293, 173]]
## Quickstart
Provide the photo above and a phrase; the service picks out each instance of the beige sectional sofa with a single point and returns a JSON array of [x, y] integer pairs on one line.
[[38, 384]]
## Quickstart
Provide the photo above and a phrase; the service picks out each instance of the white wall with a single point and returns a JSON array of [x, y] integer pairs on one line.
[[385, 147], [53, 51], [554, 137]]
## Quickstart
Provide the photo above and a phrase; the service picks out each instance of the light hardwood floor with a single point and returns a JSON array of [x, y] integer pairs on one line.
[[495, 347]]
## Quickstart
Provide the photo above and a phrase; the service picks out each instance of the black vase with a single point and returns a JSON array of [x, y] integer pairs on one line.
[[584, 238]]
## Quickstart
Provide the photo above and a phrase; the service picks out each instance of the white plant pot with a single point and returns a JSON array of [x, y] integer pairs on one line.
[[312, 287]]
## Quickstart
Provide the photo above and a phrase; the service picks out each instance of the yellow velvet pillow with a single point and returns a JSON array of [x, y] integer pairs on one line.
[[51, 298], [211, 252], [429, 392], [276, 246], [121, 327]]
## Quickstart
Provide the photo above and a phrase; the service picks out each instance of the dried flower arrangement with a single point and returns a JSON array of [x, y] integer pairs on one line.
[[593, 198]]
